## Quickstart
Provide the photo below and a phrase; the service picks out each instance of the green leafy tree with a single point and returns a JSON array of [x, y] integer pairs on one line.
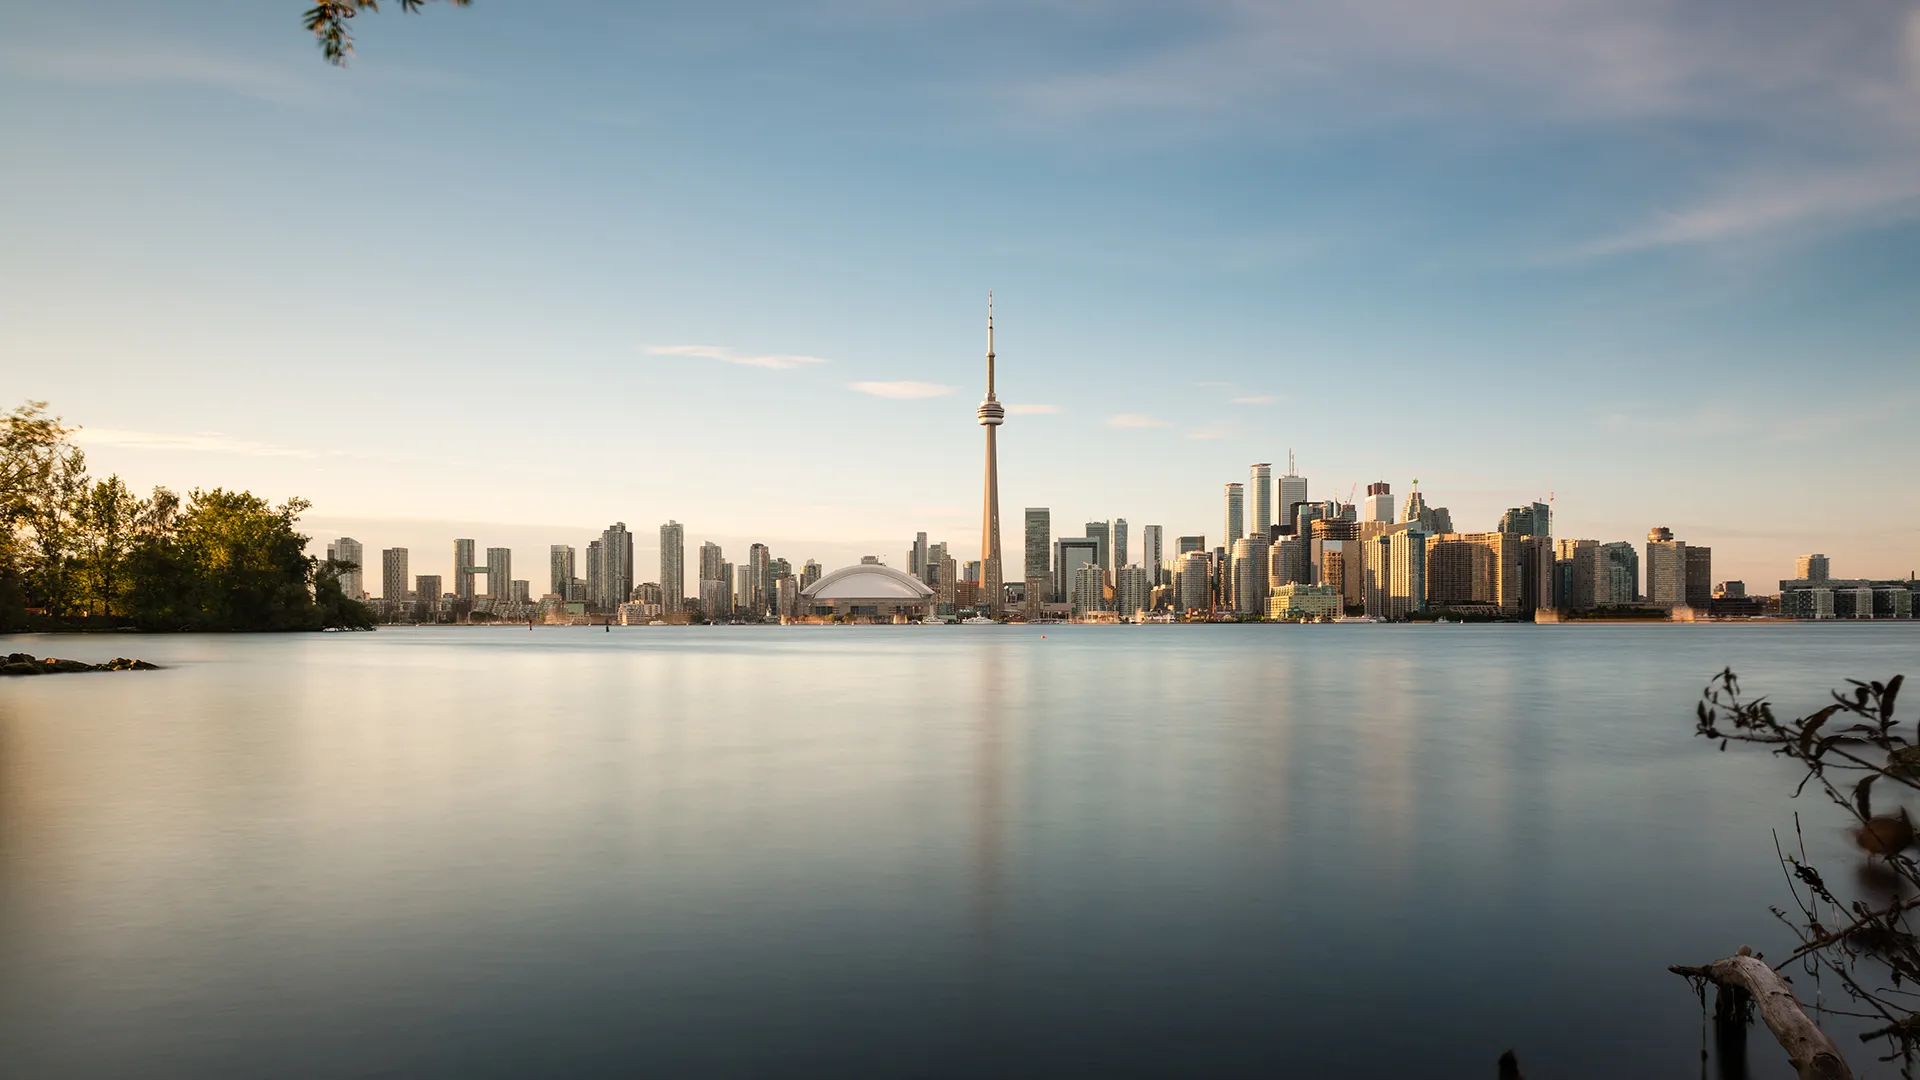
[[42, 483], [327, 20]]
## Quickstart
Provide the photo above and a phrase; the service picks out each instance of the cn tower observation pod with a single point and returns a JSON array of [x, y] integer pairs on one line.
[[868, 590]]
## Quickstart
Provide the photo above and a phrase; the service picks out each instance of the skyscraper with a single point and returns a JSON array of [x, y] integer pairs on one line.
[[1073, 553], [1132, 591], [1260, 485], [1699, 576], [1152, 552], [991, 415], [1191, 588], [393, 575], [1036, 567], [560, 569], [1293, 492], [1118, 553], [1379, 504], [712, 560], [426, 593], [596, 573], [1101, 532], [616, 566], [809, 574], [1811, 568], [1666, 568], [1580, 575], [1622, 564], [1406, 573], [1236, 524], [759, 580], [673, 567], [500, 574], [348, 550], [1250, 573], [463, 568], [1089, 589], [1533, 520], [917, 557]]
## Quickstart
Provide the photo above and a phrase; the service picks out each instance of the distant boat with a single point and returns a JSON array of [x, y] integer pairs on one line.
[[979, 620]]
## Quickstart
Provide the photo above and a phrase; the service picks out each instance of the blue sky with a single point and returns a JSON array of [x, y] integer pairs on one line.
[[525, 269]]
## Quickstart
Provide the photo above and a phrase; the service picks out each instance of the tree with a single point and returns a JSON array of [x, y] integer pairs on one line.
[[1848, 750], [327, 20], [42, 477]]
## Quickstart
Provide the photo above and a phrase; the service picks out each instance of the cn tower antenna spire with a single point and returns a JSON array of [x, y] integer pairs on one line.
[[990, 345]]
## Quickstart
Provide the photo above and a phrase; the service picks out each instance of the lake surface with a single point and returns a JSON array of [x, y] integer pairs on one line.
[[894, 851]]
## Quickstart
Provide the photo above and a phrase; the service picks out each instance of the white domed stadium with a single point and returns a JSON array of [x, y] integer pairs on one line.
[[868, 590]]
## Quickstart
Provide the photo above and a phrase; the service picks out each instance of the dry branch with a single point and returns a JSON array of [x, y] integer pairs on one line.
[[1811, 1053]]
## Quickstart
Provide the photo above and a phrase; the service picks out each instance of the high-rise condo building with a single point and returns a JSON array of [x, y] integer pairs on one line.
[[1699, 576], [1152, 553], [1379, 504], [991, 415], [917, 557], [1192, 585], [348, 550], [1622, 565], [1533, 520], [673, 567], [1406, 573], [393, 575], [522, 591], [1476, 570], [1293, 492], [1666, 568], [596, 573], [1250, 573], [1089, 589], [1117, 554], [1184, 544], [1580, 575], [712, 562], [616, 566], [759, 579], [464, 567], [1811, 568], [1291, 562], [809, 574], [1099, 531], [1036, 568], [1070, 555], [500, 574], [714, 602], [1260, 486], [426, 592], [1236, 523], [560, 569], [1132, 590]]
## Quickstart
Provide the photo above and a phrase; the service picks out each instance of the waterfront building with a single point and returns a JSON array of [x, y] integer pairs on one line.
[[1699, 576], [560, 569], [426, 593], [393, 575], [786, 603], [1293, 492], [1089, 589], [712, 559], [743, 579], [917, 557], [1260, 486], [1297, 601], [1152, 555], [1117, 553], [947, 587], [1191, 587], [616, 566], [1475, 570], [1249, 575], [651, 592], [868, 591], [809, 574], [1379, 504], [1666, 568], [673, 567], [500, 574], [759, 578], [713, 599], [1133, 590], [348, 550], [1070, 553], [1406, 572], [1811, 568], [1037, 552], [464, 568], [1622, 565], [991, 415], [1292, 562], [596, 573], [522, 591], [1580, 575], [1236, 523]]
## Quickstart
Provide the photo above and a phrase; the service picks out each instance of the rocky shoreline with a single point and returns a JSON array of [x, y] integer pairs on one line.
[[27, 664]]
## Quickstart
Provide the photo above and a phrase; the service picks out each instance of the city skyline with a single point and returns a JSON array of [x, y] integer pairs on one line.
[[1494, 259]]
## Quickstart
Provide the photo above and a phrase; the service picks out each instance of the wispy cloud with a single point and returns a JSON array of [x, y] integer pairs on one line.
[[203, 442], [1773, 205], [1257, 399], [906, 389], [728, 356], [1033, 410], [1214, 432], [1137, 420]]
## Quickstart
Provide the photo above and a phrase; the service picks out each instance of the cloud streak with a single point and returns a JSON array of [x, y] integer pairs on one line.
[[1137, 420], [728, 356], [901, 390], [203, 442], [1257, 399]]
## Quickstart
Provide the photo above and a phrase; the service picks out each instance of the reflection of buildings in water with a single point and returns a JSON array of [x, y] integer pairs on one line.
[[991, 690], [1384, 732]]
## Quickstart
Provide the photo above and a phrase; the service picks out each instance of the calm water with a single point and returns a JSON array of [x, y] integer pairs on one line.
[[1151, 851]]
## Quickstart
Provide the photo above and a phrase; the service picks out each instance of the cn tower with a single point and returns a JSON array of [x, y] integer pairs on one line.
[[991, 415]]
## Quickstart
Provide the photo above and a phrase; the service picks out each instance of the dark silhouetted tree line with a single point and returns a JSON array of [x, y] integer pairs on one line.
[[75, 551]]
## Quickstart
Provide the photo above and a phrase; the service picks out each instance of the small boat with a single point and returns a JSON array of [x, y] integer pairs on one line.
[[979, 620]]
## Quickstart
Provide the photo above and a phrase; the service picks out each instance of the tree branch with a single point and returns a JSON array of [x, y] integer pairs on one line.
[[1811, 1053]]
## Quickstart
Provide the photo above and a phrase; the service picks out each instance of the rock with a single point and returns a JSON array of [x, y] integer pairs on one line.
[[16, 667], [22, 658], [52, 664]]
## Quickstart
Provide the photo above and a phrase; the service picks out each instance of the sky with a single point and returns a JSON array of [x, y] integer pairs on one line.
[[523, 270]]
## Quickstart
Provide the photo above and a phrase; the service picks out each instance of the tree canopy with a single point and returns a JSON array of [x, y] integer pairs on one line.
[[75, 549], [328, 19]]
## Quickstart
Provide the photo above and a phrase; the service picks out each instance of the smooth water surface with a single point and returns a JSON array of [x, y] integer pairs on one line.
[[892, 851]]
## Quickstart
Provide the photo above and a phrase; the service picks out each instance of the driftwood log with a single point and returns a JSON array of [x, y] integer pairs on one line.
[[1811, 1053]]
